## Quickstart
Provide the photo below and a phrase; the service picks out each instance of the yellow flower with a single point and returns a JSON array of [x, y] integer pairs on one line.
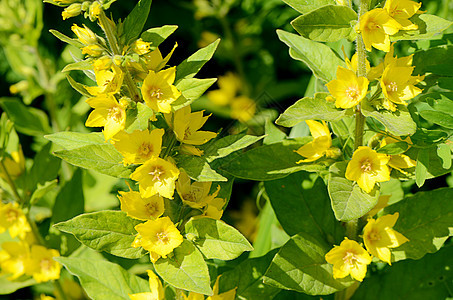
[[156, 176], [107, 81], [229, 85], [375, 27], [229, 295], [349, 259], [141, 208], [158, 90], [139, 146], [186, 126], [93, 50], [214, 207], [379, 236], [141, 47], [13, 257], [71, 11], [85, 35], [13, 219], [159, 236], [382, 203], [102, 63], [95, 10], [41, 265], [399, 161], [155, 61], [242, 108], [321, 144], [354, 62], [398, 85], [377, 71], [194, 194], [14, 165], [107, 113], [155, 285], [401, 11], [348, 90], [368, 167]]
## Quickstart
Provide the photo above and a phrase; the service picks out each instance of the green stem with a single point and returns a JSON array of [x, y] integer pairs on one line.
[[11, 182], [114, 46]]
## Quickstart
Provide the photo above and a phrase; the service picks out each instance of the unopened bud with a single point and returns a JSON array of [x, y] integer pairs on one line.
[[95, 10], [85, 35], [71, 11]]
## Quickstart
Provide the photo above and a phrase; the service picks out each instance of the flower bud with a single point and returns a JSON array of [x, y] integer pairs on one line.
[[71, 11], [85, 35], [95, 10]]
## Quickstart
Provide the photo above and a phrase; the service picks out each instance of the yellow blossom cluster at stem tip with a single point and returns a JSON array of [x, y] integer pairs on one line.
[[350, 258], [377, 25], [73, 8]]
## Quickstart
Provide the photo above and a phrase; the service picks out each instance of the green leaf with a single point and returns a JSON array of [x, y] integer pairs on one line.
[[42, 189], [427, 278], [191, 89], [186, 270], [269, 162], [421, 169], [104, 280], [45, 168], [141, 121], [328, 23], [81, 88], [428, 26], [157, 35], [301, 207], [190, 67], [321, 59], [425, 219], [397, 123], [198, 168], [437, 60], [224, 146], [66, 39], [349, 201], [247, 277], [273, 133], [102, 158], [27, 120], [73, 140], [8, 287], [109, 231], [394, 148], [444, 153], [308, 108], [134, 22], [307, 6], [300, 266], [70, 201], [80, 65], [438, 117], [216, 239]]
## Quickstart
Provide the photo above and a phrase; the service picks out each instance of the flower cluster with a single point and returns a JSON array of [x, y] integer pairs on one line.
[[74, 8], [378, 236], [24, 257]]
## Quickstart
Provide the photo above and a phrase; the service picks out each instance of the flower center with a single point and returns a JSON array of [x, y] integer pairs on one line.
[[374, 235], [115, 113], [156, 93], [156, 173], [352, 93], [45, 264], [11, 216], [373, 26], [145, 149], [151, 208], [392, 86], [366, 165], [162, 237], [350, 258]]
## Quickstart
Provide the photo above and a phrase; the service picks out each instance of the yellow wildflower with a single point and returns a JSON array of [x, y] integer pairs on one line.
[[135, 206], [93, 50], [141, 47], [155, 285], [348, 90], [107, 113], [321, 144], [214, 207], [401, 11], [375, 26], [242, 108], [85, 35], [41, 265], [379, 236], [186, 126], [194, 194], [377, 71], [102, 63], [349, 259], [158, 90], [14, 164], [399, 161], [229, 85], [155, 61], [382, 203], [95, 10], [139, 146], [71, 11], [107, 81], [368, 167], [156, 176], [159, 236], [13, 258], [13, 219]]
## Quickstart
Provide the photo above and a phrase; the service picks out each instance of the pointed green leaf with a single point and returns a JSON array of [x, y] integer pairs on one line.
[[134, 22], [321, 59], [81, 88], [186, 269], [80, 65], [198, 168], [438, 117], [190, 67], [157, 35], [109, 231], [428, 26], [444, 153], [224, 146], [8, 287], [308, 108], [426, 220], [307, 6], [141, 120], [216, 239], [421, 169], [73, 140], [328, 23], [192, 89], [45, 168], [273, 133], [70, 201], [397, 123], [300, 266], [394, 148], [301, 207], [349, 201], [66, 39], [104, 280]]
